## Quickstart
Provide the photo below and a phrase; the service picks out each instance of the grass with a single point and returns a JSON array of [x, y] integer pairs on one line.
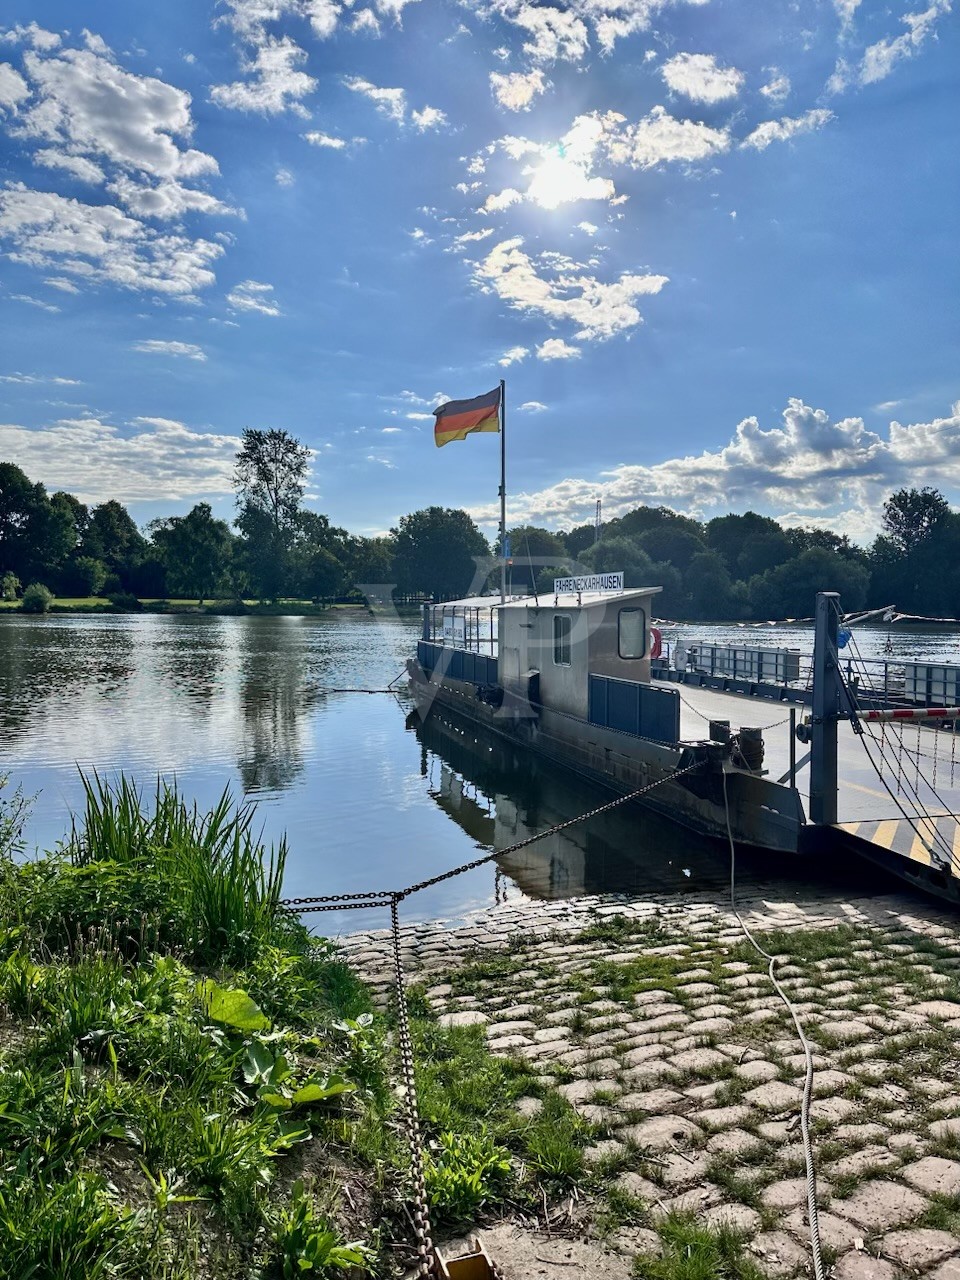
[[188, 1078], [693, 1251]]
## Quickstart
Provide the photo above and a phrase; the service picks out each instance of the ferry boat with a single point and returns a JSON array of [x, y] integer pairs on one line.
[[574, 677], [569, 677]]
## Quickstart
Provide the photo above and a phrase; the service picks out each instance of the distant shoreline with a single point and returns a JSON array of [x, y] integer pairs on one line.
[[210, 608]]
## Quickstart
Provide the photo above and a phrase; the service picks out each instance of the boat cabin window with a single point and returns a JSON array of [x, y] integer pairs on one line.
[[632, 633], [561, 640]]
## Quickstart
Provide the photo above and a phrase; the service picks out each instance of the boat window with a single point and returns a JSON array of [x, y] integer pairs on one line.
[[561, 640], [632, 638]]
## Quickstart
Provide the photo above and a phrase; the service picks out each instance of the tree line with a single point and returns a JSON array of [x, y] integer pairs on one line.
[[732, 567]]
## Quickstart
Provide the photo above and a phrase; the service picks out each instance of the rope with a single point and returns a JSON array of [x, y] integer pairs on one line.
[[426, 1252], [764, 728], [813, 1216]]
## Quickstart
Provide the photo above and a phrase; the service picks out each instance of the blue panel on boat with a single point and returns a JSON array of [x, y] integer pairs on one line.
[[457, 664], [634, 708]]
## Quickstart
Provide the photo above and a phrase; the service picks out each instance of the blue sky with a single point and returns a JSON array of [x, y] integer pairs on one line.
[[710, 244]]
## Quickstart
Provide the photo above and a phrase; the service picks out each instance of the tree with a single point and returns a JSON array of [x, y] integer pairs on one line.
[[195, 550], [369, 561], [789, 590], [531, 548], [269, 480], [9, 586], [709, 587], [112, 537], [732, 535], [610, 554], [35, 536], [435, 550], [319, 551], [672, 543], [270, 474], [911, 515]]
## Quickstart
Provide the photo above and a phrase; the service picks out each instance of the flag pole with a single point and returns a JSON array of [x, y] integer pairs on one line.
[[503, 491]]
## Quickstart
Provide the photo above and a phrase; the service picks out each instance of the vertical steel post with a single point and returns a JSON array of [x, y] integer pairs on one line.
[[503, 491], [826, 706], [793, 746]]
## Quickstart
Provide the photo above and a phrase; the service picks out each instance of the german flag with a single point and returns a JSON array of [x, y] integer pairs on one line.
[[458, 418]]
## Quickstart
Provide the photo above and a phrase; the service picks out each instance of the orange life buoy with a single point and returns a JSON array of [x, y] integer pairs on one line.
[[656, 642]]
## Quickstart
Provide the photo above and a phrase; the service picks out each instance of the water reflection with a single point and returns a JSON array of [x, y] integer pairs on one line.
[[501, 795]]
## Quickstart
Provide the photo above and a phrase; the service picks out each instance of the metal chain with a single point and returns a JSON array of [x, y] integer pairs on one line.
[[331, 901], [382, 897], [421, 1213]]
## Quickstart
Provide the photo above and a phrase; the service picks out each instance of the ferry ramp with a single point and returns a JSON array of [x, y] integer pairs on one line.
[[919, 769]]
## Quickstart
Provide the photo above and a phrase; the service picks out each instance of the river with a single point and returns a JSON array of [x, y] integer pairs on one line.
[[367, 798]]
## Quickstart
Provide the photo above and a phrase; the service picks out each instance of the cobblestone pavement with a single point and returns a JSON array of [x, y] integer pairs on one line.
[[659, 1025]]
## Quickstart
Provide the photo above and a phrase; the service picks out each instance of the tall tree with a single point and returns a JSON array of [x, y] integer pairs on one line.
[[112, 537], [35, 535], [435, 550], [195, 550], [911, 515], [269, 479]]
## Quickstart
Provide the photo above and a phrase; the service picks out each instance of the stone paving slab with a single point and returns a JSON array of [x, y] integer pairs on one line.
[[697, 1071]]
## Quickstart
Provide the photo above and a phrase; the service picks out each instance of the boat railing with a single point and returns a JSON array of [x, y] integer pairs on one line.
[[896, 681]]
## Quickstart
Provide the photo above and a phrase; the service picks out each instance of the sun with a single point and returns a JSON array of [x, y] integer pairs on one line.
[[560, 179]]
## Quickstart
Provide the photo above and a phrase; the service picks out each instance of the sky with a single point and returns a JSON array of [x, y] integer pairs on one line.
[[710, 245]]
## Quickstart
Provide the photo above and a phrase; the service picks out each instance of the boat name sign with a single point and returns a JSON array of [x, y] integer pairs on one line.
[[589, 582]]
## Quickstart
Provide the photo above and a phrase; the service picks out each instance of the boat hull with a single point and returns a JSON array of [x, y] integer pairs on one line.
[[764, 814]]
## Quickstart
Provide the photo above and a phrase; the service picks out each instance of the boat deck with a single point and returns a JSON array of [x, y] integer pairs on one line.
[[865, 809]]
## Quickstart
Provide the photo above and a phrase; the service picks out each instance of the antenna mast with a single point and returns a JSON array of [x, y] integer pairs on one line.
[[598, 523]]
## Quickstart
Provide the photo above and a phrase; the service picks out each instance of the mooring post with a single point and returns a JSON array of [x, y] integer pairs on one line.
[[826, 707]]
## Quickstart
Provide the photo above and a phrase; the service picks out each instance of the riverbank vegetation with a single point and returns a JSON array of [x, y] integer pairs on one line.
[[289, 559], [192, 1086]]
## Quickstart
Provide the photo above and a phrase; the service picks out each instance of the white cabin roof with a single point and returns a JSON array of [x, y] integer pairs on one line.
[[568, 600]]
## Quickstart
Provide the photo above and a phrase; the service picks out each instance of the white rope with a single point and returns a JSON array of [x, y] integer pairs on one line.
[[813, 1215]]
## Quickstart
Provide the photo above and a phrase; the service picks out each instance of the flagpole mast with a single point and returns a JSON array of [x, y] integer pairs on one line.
[[503, 491]]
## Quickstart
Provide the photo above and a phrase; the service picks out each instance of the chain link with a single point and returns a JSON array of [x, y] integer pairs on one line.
[[421, 1213], [390, 897]]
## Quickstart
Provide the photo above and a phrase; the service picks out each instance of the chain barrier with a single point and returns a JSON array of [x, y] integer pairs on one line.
[[392, 898]]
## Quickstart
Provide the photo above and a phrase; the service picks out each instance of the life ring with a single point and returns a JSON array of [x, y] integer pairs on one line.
[[656, 642]]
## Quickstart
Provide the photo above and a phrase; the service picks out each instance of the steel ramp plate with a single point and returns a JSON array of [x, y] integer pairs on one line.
[[915, 839]]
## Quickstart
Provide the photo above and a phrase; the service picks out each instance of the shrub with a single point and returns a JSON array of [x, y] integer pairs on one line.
[[37, 598], [124, 601], [9, 586]]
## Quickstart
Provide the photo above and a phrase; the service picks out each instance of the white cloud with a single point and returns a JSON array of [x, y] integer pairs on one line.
[[471, 237], [30, 379], [698, 76], [880, 58], [391, 103], [275, 82], [381, 462], [317, 139], [782, 130], [158, 347], [58, 282], [516, 91], [13, 87], [151, 459], [660, 138], [167, 199], [845, 11], [251, 295], [550, 289], [811, 466], [532, 406], [32, 35], [90, 106], [35, 302], [513, 355], [777, 88], [79, 166], [366, 20], [497, 201], [428, 118], [284, 178], [553, 34], [557, 349], [101, 244], [590, 228]]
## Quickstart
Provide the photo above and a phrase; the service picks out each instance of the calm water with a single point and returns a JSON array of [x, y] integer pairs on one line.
[[367, 798]]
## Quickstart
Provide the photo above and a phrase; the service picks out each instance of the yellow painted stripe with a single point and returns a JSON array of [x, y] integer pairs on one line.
[[885, 834]]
